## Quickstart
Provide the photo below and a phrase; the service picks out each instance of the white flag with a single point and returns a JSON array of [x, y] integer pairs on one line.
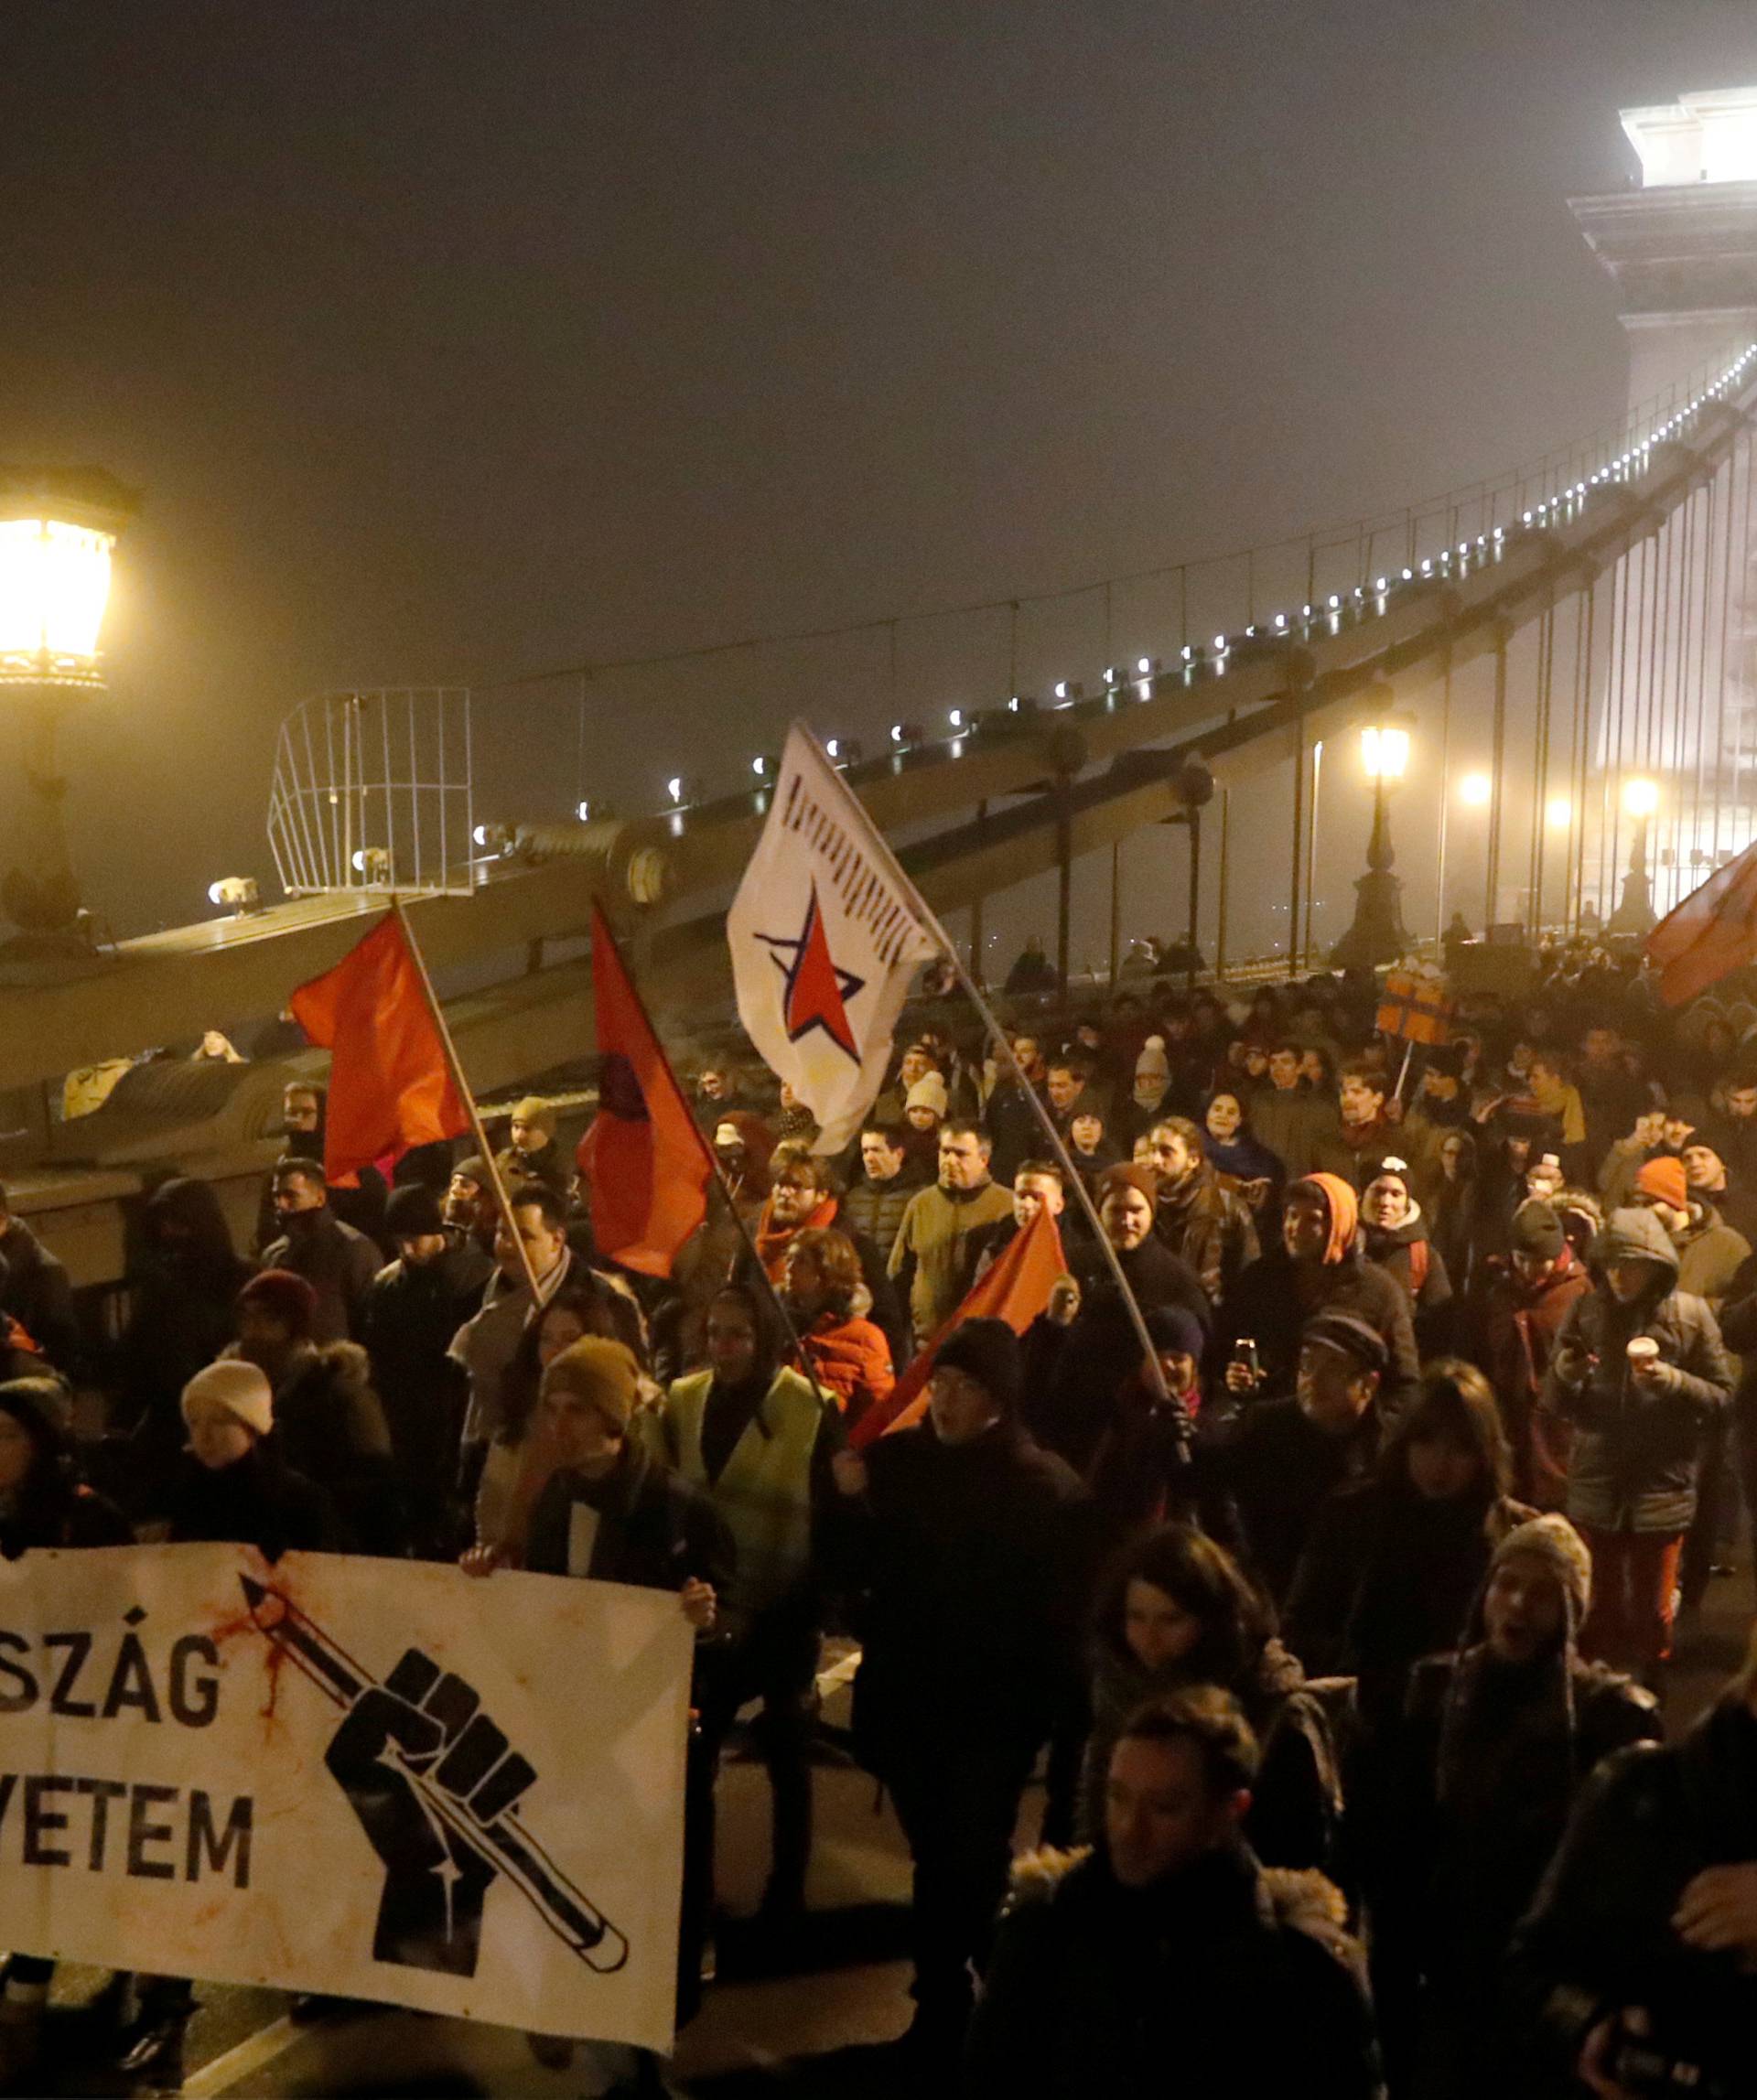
[[826, 932]]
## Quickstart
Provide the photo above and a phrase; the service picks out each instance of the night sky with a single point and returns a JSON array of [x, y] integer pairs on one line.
[[459, 341]]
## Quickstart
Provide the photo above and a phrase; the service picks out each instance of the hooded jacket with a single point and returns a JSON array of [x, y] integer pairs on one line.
[[1520, 1323], [1709, 1254], [1637, 1449], [329, 1425], [1275, 1297], [1407, 1255], [1228, 1977]]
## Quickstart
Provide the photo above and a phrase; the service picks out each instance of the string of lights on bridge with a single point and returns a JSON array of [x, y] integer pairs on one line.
[[1147, 675]]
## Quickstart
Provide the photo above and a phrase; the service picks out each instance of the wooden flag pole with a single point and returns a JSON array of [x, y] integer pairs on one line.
[[1003, 1042], [502, 1202]]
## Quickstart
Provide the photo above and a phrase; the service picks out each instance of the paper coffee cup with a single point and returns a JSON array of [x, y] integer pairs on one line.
[[1642, 1351]]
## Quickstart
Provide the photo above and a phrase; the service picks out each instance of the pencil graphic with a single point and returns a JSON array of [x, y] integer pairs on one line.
[[501, 1839]]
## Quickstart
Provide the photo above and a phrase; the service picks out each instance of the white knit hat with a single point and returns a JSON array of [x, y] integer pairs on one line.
[[237, 1388], [1152, 1062], [928, 1091]]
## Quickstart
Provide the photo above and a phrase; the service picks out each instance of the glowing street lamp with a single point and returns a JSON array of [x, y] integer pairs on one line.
[[1476, 791], [57, 527], [1376, 934], [1635, 914]]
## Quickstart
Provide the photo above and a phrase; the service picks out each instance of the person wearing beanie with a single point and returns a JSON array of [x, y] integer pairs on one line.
[[531, 1153], [1500, 1738], [1640, 1371], [611, 1511], [1394, 1235], [1149, 1094], [338, 1262], [1524, 1303], [968, 1582], [1142, 1470], [468, 1206], [328, 1421], [1319, 1266], [232, 1486], [416, 1304], [43, 1504]]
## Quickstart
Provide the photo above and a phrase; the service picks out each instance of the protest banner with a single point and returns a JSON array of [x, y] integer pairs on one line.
[[375, 1779]]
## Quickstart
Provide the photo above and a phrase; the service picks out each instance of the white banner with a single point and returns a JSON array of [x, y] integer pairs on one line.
[[826, 935], [378, 1779]]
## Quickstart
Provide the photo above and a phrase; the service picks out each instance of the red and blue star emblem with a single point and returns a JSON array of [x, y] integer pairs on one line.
[[816, 991]]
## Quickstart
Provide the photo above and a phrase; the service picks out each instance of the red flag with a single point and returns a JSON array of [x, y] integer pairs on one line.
[[1016, 1288], [1711, 934], [647, 1164], [390, 1086]]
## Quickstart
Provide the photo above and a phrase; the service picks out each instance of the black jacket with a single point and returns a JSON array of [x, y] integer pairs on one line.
[[654, 1530], [34, 1290], [338, 1262], [1600, 1936], [968, 1574], [1274, 1299], [1276, 1469], [331, 1425], [1228, 1978], [258, 1501], [1387, 1576], [412, 1315]]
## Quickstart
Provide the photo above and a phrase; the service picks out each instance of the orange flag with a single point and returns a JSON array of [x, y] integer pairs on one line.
[[647, 1164], [1711, 934], [390, 1086], [1016, 1288]]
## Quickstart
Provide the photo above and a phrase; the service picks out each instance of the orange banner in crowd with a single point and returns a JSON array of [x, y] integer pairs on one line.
[[647, 1165], [1415, 1010], [390, 1087], [1016, 1288], [1710, 935]]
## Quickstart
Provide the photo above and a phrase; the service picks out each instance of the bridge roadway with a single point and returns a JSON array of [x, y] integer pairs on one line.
[[808, 2020]]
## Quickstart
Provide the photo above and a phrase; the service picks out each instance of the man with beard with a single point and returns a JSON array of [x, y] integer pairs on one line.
[[337, 1262]]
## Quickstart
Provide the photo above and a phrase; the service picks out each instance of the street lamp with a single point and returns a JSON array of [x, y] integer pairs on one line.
[[58, 526], [1634, 915], [1377, 933]]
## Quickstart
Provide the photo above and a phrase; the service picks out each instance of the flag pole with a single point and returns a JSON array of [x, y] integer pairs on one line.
[[1070, 1173], [502, 1202], [602, 925]]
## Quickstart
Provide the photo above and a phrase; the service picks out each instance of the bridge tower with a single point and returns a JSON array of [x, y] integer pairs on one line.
[[1678, 698]]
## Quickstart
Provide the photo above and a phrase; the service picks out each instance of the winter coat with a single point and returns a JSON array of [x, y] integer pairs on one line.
[[654, 1529], [851, 1360], [1228, 1978], [1275, 1297], [1277, 1470], [330, 1426], [1210, 1227], [1348, 1149], [1087, 1402], [1296, 1799], [1599, 1935], [1710, 1253], [1386, 1578], [933, 1261], [1245, 1159], [36, 1290], [340, 1264], [1409, 1257], [773, 1241], [256, 1500], [1519, 1326], [875, 1208], [1294, 1123], [62, 1516], [412, 1313], [1637, 1450], [1491, 1757], [969, 1572]]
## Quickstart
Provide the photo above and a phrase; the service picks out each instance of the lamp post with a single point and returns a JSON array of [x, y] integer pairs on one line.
[[1634, 915], [1377, 933], [58, 526]]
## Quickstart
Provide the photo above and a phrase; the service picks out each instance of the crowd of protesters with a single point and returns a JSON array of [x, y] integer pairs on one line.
[[1334, 1625]]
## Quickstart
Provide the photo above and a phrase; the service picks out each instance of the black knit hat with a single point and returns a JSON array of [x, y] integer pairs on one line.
[[412, 1212], [989, 1351], [43, 1408], [1536, 1230]]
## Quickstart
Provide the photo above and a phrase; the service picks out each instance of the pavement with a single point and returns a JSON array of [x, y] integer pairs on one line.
[[807, 2020]]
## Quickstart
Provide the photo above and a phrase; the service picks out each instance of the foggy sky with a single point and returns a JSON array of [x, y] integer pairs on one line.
[[452, 341]]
